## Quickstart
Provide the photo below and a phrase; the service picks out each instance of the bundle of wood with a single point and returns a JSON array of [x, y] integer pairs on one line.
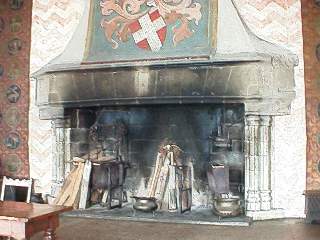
[[164, 184], [75, 190]]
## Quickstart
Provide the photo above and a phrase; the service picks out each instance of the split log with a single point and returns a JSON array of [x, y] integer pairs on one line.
[[172, 193], [105, 196], [155, 176], [70, 191], [163, 180], [66, 188], [84, 193], [76, 187]]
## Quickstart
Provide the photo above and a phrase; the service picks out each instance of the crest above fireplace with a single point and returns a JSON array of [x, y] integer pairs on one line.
[[155, 52], [156, 32]]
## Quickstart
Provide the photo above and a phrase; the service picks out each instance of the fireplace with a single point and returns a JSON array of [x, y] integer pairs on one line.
[[196, 129], [212, 96]]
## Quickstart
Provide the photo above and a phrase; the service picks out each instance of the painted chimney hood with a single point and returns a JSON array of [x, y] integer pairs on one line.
[[167, 51]]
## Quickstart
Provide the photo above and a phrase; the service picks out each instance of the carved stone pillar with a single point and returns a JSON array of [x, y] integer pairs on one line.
[[258, 132], [58, 150]]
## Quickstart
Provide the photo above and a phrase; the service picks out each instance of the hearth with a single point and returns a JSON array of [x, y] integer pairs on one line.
[[135, 136], [212, 96]]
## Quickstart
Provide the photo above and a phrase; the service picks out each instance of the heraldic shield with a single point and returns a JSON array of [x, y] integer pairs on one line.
[[149, 31]]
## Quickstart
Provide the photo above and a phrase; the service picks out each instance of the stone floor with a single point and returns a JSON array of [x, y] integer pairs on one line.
[[99, 229]]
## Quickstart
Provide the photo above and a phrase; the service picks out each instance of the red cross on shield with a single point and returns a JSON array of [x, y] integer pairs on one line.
[[149, 31]]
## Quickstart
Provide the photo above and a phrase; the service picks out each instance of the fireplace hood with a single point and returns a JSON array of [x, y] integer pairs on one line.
[[167, 52]]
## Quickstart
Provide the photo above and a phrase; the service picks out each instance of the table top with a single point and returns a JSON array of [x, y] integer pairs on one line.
[[26, 212]]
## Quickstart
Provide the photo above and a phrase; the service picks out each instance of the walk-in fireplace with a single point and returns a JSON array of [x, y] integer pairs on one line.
[[183, 82]]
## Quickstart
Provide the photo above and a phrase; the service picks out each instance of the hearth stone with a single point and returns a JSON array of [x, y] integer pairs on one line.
[[197, 216]]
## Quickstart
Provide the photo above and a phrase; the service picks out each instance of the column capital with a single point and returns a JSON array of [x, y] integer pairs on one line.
[[58, 123], [258, 120]]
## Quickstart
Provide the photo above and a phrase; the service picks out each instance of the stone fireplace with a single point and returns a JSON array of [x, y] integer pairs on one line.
[[233, 79]]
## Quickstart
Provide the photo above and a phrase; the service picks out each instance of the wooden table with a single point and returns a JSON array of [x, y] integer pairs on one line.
[[22, 220]]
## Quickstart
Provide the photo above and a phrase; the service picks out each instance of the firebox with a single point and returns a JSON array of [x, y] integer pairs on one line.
[[194, 128], [181, 92], [124, 144]]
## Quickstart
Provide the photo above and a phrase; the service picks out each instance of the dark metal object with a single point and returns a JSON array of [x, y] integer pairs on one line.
[[110, 134], [312, 206], [145, 204], [183, 174], [109, 176], [226, 149], [218, 179], [36, 198]]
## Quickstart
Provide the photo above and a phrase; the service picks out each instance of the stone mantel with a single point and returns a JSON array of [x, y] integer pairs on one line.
[[264, 87]]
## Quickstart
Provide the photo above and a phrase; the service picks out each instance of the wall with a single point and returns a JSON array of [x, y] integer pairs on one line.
[[311, 33], [275, 20], [15, 35], [279, 22], [53, 22]]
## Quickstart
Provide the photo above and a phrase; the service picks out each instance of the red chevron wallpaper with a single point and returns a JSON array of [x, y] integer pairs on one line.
[[15, 39], [311, 34]]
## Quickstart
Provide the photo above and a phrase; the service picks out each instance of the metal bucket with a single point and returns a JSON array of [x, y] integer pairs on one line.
[[145, 204], [227, 207]]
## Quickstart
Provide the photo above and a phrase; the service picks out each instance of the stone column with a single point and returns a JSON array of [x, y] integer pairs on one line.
[[58, 156], [258, 148]]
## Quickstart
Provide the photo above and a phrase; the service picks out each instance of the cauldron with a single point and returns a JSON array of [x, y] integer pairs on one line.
[[226, 207], [145, 204]]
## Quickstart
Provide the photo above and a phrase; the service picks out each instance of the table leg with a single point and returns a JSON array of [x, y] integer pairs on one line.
[[50, 234]]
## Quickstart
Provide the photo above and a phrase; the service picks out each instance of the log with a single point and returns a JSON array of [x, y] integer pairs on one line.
[[172, 193], [63, 194], [162, 181], [155, 176], [69, 194], [76, 186], [105, 196], [84, 193]]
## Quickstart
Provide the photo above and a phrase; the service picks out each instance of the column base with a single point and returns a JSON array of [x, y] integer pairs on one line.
[[266, 200], [265, 215]]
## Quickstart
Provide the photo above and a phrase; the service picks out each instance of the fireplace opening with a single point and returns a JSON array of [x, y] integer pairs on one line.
[[127, 144]]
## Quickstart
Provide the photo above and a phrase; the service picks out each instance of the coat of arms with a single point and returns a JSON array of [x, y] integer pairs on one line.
[[148, 21]]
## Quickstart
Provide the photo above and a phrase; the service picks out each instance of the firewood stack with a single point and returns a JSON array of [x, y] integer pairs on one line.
[[75, 190], [164, 185]]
